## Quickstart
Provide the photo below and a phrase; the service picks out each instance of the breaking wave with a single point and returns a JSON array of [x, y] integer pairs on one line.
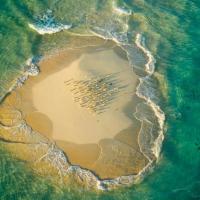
[[48, 25], [149, 97], [121, 10]]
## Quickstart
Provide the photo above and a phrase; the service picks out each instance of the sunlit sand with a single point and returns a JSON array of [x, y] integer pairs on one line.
[[83, 100], [78, 124]]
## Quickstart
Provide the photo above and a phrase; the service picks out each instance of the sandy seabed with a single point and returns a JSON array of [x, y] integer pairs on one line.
[[84, 100]]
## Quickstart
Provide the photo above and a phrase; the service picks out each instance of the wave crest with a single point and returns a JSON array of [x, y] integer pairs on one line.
[[48, 25]]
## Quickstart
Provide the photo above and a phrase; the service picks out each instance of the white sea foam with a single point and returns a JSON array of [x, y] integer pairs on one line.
[[121, 10], [47, 24], [49, 29], [31, 70], [150, 67]]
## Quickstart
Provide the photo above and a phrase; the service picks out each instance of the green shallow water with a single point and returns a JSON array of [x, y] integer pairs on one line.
[[173, 35]]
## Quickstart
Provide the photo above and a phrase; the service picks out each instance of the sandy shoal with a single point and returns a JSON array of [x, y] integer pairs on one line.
[[104, 142], [72, 122]]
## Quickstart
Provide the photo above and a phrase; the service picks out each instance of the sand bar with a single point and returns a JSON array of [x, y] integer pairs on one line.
[[77, 124], [80, 100]]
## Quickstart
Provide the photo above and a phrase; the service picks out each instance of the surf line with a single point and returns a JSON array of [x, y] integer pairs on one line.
[[150, 68]]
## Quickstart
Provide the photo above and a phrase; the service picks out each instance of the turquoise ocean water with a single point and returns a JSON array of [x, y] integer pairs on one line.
[[172, 33]]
